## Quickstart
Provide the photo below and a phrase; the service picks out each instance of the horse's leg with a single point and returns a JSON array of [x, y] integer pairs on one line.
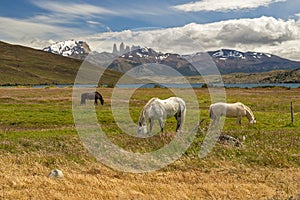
[[178, 119], [96, 103], [213, 118], [239, 120], [215, 122], [161, 124], [151, 125], [82, 99]]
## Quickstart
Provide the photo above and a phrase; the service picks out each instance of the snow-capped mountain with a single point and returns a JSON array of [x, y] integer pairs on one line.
[[123, 60], [146, 55], [231, 61], [70, 48], [225, 54], [226, 60]]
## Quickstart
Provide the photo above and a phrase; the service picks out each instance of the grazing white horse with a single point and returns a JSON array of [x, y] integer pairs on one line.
[[237, 110], [161, 110]]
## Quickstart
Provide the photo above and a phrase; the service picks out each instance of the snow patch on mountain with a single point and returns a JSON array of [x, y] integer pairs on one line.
[[72, 48], [260, 55], [224, 54]]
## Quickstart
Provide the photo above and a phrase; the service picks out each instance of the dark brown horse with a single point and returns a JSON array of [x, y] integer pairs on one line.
[[92, 96]]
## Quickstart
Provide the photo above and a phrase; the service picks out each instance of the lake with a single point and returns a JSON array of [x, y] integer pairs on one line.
[[199, 85], [174, 85]]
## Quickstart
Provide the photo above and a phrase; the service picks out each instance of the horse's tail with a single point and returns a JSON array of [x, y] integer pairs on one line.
[[213, 115], [211, 112], [182, 114]]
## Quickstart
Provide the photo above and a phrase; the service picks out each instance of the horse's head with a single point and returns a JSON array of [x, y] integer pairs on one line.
[[250, 115], [102, 101], [253, 121], [142, 128], [99, 96]]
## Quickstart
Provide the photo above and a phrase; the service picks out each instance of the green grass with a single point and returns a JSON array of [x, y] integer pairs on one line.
[[40, 121]]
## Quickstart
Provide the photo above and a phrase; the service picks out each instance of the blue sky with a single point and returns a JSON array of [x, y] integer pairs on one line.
[[261, 25]]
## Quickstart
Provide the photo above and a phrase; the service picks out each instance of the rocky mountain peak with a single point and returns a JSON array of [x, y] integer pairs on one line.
[[71, 48]]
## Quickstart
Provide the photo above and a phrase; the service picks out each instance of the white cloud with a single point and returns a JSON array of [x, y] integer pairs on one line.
[[72, 8], [93, 22], [51, 19], [25, 32], [219, 5], [263, 30], [265, 34], [68, 13], [58, 24]]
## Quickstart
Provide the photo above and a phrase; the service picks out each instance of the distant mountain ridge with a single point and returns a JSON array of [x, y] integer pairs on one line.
[[23, 65], [146, 55], [232, 61], [227, 60]]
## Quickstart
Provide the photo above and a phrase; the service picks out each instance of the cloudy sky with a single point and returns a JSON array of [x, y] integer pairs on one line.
[[271, 26]]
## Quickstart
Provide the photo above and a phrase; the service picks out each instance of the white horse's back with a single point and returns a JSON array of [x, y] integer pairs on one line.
[[162, 109], [172, 105], [237, 110]]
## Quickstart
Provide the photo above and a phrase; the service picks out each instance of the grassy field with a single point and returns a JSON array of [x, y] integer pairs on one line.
[[37, 134]]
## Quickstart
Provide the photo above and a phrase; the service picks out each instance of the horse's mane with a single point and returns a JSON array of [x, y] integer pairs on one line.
[[149, 102], [248, 111], [98, 93], [145, 108]]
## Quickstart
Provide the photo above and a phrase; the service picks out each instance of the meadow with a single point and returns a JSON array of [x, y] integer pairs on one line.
[[37, 134]]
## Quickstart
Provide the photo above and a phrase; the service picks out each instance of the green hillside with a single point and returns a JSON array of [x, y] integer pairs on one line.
[[25, 66]]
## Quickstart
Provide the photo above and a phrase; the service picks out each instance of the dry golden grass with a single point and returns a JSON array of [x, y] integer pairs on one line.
[[23, 179]]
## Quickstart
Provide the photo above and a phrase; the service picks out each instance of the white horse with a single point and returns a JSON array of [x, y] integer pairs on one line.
[[237, 110], [161, 110]]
